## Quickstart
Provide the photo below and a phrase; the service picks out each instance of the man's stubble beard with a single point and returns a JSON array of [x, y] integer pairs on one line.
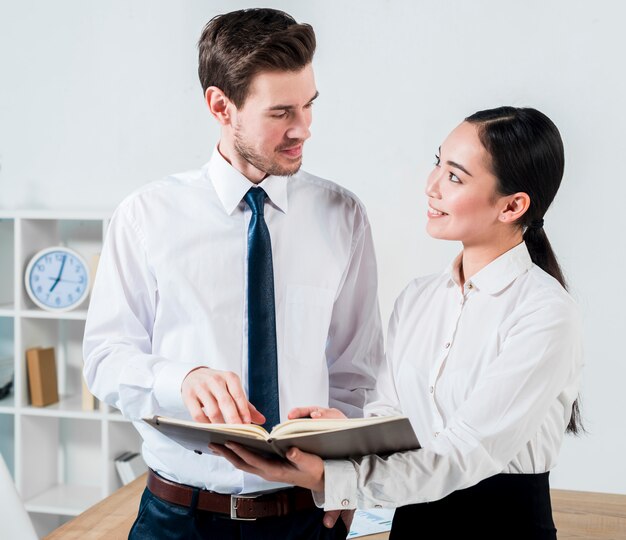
[[263, 163]]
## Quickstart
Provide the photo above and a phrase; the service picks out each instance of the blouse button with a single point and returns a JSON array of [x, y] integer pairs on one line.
[[436, 434], [345, 502], [447, 345], [470, 286], [432, 389]]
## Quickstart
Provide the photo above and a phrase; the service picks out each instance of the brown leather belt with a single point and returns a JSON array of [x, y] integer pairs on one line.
[[246, 507]]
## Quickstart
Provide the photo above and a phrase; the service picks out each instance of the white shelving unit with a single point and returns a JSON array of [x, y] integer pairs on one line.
[[61, 457]]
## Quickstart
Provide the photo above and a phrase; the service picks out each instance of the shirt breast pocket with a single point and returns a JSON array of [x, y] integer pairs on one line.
[[308, 312]]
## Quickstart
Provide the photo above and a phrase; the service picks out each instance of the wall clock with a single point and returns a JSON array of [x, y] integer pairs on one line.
[[57, 279]]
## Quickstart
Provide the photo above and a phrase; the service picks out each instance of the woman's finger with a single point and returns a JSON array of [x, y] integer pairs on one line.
[[301, 412]]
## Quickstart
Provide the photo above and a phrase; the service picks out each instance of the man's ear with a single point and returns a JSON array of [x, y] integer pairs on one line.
[[515, 206], [219, 105]]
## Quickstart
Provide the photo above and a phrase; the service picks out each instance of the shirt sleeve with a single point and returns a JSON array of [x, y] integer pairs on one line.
[[355, 344], [538, 366], [120, 368], [384, 400]]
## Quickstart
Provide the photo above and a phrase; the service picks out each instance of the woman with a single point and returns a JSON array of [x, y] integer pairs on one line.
[[484, 358]]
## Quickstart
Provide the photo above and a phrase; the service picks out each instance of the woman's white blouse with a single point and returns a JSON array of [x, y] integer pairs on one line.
[[487, 376]]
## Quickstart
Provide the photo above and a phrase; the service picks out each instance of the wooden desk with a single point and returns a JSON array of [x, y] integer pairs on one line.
[[112, 518], [577, 514]]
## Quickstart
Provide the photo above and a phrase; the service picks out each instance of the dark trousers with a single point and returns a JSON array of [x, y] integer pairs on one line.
[[503, 507], [159, 519]]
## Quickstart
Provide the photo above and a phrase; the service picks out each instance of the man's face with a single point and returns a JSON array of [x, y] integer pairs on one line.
[[270, 128]]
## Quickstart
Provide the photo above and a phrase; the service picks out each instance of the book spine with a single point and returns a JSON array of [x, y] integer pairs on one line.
[[275, 444]]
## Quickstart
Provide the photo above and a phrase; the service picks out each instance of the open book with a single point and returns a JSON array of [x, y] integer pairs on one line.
[[327, 438]]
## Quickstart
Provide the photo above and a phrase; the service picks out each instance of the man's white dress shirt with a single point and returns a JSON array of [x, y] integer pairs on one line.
[[170, 296], [487, 375]]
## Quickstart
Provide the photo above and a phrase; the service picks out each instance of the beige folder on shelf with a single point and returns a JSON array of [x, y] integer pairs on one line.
[[89, 401], [42, 376]]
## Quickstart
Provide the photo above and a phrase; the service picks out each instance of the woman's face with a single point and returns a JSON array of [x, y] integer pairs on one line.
[[462, 201]]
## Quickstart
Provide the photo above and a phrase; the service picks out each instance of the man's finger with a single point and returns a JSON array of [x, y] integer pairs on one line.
[[255, 415], [347, 516], [330, 518], [225, 402], [195, 410], [210, 407], [300, 459], [233, 458], [252, 458], [233, 385]]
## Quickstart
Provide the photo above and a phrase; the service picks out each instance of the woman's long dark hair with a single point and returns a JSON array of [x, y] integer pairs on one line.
[[527, 156]]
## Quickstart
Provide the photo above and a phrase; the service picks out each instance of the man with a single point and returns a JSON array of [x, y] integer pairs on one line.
[[236, 292]]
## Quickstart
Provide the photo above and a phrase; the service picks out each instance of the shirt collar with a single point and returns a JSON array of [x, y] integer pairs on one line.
[[498, 274], [231, 185]]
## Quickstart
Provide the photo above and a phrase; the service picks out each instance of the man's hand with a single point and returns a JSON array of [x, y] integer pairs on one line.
[[300, 469], [315, 412], [330, 518], [217, 397]]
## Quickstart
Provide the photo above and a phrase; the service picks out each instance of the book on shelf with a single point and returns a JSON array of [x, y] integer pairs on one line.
[[88, 400], [42, 376], [327, 438], [93, 268], [130, 465]]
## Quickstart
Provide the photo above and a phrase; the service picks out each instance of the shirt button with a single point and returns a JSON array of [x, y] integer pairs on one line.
[[436, 434], [447, 345], [345, 502], [432, 389], [470, 286]]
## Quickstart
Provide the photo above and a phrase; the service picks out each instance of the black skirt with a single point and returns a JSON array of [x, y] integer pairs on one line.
[[503, 507]]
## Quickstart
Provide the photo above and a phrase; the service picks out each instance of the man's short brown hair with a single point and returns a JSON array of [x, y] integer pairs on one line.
[[235, 46]]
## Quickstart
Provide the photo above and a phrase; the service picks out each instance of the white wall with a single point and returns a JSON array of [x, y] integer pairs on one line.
[[97, 98]]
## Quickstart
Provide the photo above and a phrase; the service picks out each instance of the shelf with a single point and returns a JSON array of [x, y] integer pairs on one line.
[[76, 315], [60, 456], [7, 310], [64, 499], [67, 407], [116, 416], [77, 215]]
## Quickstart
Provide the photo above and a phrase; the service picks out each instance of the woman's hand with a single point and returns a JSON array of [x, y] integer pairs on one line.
[[315, 412], [301, 469]]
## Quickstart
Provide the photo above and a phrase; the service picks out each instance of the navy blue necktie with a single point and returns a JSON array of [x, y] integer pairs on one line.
[[262, 357]]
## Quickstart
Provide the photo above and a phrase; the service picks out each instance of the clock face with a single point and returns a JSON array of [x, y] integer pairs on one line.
[[57, 279]]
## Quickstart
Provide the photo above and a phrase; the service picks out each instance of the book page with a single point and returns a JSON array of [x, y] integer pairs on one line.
[[247, 430], [302, 426]]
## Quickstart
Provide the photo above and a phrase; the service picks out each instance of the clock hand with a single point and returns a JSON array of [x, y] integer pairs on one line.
[[62, 265], [64, 280], [56, 281]]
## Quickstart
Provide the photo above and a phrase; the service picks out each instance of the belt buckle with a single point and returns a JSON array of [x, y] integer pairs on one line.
[[234, 502]]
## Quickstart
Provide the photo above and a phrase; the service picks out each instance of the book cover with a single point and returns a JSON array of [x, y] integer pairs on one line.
[[42, 376], [88, 400], [327, 438], [130, 465]]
